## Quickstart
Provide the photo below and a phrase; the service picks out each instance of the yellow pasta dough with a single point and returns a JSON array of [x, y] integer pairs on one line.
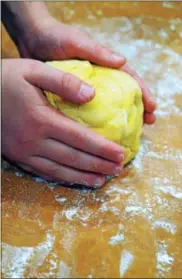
[[116, 112]]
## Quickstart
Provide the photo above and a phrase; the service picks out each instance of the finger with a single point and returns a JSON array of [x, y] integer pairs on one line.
[[66, 155], [26, 167], [80, 45], [53, 171], [149, 103], [56, 81], [34, 172], [149, 118], [76, 135]]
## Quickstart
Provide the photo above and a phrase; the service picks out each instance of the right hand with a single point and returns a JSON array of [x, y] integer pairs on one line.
[[42, 140]]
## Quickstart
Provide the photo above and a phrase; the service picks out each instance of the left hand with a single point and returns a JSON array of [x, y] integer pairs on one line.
[[53, 40]]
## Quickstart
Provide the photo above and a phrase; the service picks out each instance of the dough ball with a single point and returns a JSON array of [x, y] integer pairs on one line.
[[116, 112]]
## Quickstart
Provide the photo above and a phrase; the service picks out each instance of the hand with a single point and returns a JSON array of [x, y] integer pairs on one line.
[[38, 35], [42, 140], [148, 101], [54, 41]]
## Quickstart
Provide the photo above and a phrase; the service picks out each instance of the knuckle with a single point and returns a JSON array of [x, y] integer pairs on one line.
[[21, 139], [79, 138], [18, 148], [39, 119], [70, 82], [23, 144], [74, 158], [66, 81]]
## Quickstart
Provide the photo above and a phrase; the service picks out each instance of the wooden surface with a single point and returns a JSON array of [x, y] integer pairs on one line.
[[133, 226]]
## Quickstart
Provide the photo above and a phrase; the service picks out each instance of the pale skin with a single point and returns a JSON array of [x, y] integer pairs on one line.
[[35, 136]]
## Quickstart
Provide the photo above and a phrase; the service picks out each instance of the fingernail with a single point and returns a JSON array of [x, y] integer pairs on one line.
[[121, 157], [118, 169], [86, 91], [118, 58], [99, 182]]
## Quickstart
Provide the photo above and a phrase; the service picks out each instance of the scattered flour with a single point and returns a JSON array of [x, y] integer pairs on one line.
[[71, 212], [167, 226], [61, 199], [170, 190], [64, 270], [116, 239], [164, 260], [15, 259], [126, 261], [20, 174]]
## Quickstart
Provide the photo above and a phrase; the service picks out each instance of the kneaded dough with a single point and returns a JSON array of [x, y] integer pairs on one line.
[[116, 112]]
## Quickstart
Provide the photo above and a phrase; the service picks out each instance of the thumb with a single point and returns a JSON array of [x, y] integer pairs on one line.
[[63, 84]]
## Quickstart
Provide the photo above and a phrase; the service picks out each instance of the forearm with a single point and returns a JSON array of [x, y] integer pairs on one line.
[[23, 18]]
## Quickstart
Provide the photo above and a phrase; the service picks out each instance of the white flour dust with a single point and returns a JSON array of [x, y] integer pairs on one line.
[[126, 261]]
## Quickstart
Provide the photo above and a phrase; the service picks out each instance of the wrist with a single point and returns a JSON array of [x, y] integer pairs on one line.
[[23, 20]]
